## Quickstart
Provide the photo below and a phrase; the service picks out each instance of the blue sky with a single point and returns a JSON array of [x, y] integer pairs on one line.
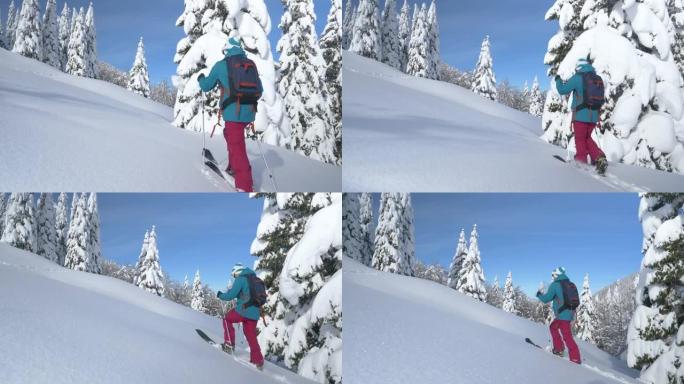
[[120, 23], [209, 232], [531, 234]]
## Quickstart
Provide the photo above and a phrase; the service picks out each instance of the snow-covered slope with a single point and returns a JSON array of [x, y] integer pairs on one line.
[[61, 132], [408, 134], [63, 326], [407, 330]]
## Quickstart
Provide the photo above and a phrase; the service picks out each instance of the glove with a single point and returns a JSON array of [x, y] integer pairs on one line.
[[200, 77], [539, 293], [218, 294], [558, 78]]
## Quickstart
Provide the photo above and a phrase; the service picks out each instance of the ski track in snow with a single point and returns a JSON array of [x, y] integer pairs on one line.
[[431, 136], [62, 132]]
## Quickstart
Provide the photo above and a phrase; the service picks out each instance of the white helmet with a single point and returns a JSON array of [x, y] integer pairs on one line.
[[237, 269], [557, 272]]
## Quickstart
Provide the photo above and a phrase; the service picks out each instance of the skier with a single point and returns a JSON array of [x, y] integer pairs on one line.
[[586, 107], [241, 89], [245, 312], [561, 289]]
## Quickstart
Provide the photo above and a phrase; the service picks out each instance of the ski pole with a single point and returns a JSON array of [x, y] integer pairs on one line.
[[204, 133], [263, 317], [261, 150]]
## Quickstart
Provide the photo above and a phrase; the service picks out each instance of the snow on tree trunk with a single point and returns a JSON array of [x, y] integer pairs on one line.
[[50, 34], [471, 279], [78, 242], [585, 323], [367, 228], [20, 223], [389, 38], [46, 231], [11, 26], [656, 331], [197, 301], [433, 42], [331, 43], [64, 35], [351, 228], [138, 77], [141, 258], [77, 51], [404, 34], [28, 39], [394, 235], [366, 40], [91, 43], [536, 102], [347, 24], [95, 255], [150, 272], [61, 227], [484, 80], [509, 295], [418, 50], [457, 261]]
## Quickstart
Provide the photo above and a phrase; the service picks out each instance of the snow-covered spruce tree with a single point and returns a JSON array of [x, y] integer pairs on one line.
[[64, 35], [331, 43], [3, 208], [676, 10], [585, 323], [11, 26], [404, 34], [471, 279], [656, 333], [494, 294], [457, 261], [150, 276], [366, 40], [433, 42], [367, 228], [61, 227], [409, 237], [50, 34], [389, 38], [3, 44], [46, 231], [351, 227], [509, 295], [556, 119], [78, 242], [20, 223], [536, 102], [418, 50], [615, 306], [309, 301], [95, 249], [347, 24], [77, 50], [28, 40], [484, 80], [197, 300], [141, 258], [138, 77], [301, 85], [567, 12], [91, 43], [393, 236]]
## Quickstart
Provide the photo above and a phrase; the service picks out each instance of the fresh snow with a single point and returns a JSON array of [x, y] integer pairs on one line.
[[63, 326], [438, 137], [452, 338], [71, 133]]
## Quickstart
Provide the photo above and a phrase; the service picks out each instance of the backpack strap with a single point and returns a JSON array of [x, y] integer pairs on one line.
[[563, 284]]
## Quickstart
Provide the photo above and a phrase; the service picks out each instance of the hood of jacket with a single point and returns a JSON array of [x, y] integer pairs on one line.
[[584, 68]]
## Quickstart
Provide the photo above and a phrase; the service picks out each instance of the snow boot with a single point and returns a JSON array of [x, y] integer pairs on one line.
[[227, 348], [559, 353], [259, 367], [601, 165]]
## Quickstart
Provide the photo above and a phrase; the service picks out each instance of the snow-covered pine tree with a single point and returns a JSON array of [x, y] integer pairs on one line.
[[418, 50], [526, 92], [404, 34], [392, 236], [77, 50], [331, 43], [301, 85], [509, 295], [484, 80], [197, 300], [656, 333], [347, 24], [11, 26], [94, 247], [91, 43], [567, 12], [556, 119], [366, 40], [78, 242], [3, 44], [471, 279], [28, 39], [3, 208], [676, 10], [352, 236], [20, 223], [389, 38], [61, 227], [457, 261], [494, 294], [433, 42], [409, 237], [585, 323], [138, 77], [141, 258], [536, 102], [414, 16], [64, 34], [367, 228], [50, 34], [46, 232], [150, 276]]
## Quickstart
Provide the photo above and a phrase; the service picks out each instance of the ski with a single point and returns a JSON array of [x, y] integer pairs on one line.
[[214, 344], [529, 341], [213, 165], [557, 157], [597, 171]]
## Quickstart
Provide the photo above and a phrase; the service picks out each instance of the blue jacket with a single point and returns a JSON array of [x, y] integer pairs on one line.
[[219, 76], [575, 84], [555, 293], [240, 291]]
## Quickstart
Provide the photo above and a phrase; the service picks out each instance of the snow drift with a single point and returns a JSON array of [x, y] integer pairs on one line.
[[61, 132], [63, 326], [409, 134], [407, 330]]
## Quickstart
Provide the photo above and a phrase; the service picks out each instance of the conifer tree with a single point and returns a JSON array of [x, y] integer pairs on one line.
[[11, 26], [351, 227], [393, 236], [78, 243], [471, 279], [64, 35], [138, 77], [50, 34], [3, 208], [150, 273], [484, 80], [331, 43], [28, 40], [20, 223], [495, 296], [433, 42], [389, 38], [419, 49], [404, 34], [3, 44], [585, 323], [61, 227], [536, 102], [509, 296], [347, 24], [46, 231], [366, 40], [197, 301], [457, 261], [77, 63], [95, 249], [141, 258], [367, 228], [90, 43]]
